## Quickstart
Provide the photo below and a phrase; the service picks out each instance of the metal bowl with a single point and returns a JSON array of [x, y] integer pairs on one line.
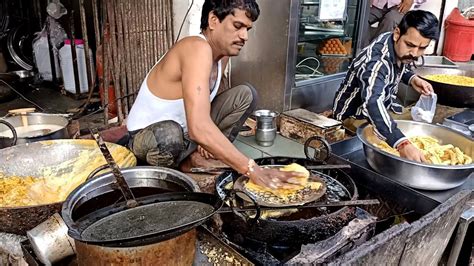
[[449, 94], [414, 174]]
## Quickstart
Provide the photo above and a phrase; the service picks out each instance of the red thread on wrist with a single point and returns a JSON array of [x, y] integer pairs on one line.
[[402, 144]]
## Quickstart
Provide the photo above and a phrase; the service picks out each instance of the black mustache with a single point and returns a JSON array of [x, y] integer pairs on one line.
[[409, 57]]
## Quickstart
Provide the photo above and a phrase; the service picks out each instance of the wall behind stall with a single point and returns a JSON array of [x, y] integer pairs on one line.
[[192, 23]]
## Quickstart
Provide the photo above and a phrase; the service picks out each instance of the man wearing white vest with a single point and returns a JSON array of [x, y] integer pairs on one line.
[[180, 118]]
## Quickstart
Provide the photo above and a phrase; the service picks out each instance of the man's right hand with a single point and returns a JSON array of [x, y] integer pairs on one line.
[[411, 152], [272, 178]]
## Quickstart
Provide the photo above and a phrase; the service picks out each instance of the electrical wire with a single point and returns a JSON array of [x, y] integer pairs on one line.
[[315, 72], [102, 108], [22, 96], [184, 19]]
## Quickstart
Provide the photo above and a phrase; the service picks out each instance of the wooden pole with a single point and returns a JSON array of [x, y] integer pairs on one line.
[[105, 61], [113, 61]]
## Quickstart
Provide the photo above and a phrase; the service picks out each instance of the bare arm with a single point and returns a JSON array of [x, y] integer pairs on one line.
[[196, 69]]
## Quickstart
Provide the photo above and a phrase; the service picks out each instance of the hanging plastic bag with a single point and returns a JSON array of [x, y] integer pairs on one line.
[[41, 48], [425, 109]]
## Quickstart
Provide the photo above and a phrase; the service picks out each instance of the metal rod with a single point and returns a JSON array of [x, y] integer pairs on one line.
[[311, 167], [307, 206], [124, 188]]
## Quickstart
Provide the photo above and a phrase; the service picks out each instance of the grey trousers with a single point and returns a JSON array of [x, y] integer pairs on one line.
[[165, 144], [388, 19]]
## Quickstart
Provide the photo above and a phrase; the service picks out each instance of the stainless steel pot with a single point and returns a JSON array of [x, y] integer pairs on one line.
[[50, 240], [414, 174], [39, 126]]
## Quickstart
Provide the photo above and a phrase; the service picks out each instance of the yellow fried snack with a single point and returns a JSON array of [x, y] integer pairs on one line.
[[452, 79], [289, 192], [433, 151], [294, 167]]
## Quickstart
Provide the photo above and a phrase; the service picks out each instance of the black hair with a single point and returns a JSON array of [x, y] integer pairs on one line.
[[222, 8], [425, 22]]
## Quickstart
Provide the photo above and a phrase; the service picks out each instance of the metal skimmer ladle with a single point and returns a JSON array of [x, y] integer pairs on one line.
[[124, 188]]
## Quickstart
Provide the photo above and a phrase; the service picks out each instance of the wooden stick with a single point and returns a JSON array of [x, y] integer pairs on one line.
[[134, 49], [170, 18], [125, 14], [154, 29], [148, 25], [113, 61], [105, 62], [162, 26], [121, 56]]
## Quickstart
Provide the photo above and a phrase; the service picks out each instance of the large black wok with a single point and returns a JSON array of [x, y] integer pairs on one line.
[[64, 163], [448, 94]]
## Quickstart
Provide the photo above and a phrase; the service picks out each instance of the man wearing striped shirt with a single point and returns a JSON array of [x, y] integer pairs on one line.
[[371, 83]]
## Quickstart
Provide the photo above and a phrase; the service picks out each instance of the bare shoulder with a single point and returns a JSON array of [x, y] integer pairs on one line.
[[193, 47]]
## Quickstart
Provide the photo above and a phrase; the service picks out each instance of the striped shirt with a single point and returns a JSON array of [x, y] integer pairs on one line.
[[370, 86]]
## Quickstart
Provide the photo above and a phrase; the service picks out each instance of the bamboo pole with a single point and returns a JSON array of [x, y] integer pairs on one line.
[[113, 61], [170, 30], [148, 25], [121, 56], [105, 62], [154, 29], [134, 49], [160, 23], [139, 48], [126, 37]]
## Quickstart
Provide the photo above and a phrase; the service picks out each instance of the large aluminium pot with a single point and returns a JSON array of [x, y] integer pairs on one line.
[[414, 174], [101, 192], [40, 126], [67, 162], [448, 94]]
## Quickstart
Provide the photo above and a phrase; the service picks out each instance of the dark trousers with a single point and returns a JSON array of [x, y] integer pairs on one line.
[[165, 144], [388, 19]]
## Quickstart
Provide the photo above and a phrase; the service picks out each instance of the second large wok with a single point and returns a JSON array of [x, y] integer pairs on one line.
[[63, 162], [448, 94]]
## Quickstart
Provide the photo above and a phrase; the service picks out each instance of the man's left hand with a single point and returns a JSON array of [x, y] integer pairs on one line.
[[422, 86], [404, 6]]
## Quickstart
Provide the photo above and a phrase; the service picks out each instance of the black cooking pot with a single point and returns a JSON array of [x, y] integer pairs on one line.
[[40, 126], [449, 94], [301, 227], [101, 193]]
